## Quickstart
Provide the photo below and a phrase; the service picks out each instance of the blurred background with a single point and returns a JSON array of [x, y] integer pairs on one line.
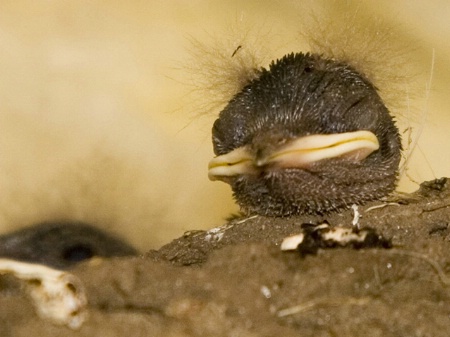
[[98, 121]]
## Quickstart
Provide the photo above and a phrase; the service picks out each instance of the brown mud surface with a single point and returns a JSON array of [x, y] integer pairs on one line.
[[235, 281]]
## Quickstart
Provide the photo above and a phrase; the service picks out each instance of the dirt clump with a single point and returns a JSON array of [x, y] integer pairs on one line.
[[236, 281]]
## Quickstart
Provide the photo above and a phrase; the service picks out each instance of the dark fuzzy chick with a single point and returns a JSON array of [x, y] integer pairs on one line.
[[61, 244], [262, 152]]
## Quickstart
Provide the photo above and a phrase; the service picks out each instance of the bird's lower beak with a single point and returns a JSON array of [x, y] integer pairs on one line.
[[297, 153]]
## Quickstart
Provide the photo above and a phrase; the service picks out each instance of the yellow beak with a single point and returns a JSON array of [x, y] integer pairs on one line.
[[297, 153]]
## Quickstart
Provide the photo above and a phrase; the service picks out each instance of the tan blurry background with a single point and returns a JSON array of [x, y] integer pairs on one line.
[[96, 123]]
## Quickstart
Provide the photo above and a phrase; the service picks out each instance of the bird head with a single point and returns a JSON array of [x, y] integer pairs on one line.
[[309, 135]]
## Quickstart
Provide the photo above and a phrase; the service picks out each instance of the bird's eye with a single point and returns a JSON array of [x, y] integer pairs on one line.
[[77, 253]]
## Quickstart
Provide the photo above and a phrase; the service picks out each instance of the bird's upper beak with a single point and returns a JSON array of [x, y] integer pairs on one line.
[[296, 153]]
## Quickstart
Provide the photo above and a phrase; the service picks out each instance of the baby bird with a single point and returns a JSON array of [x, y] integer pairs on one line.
[[61, 244], [310, 135]]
